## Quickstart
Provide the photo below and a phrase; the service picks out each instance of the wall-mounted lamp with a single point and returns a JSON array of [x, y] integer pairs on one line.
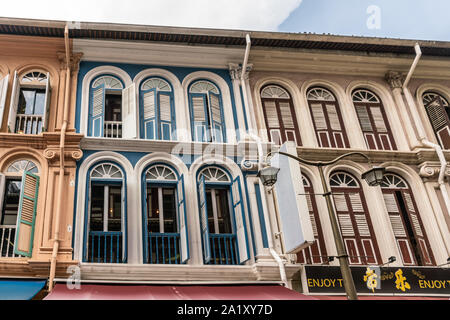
[[444, 264], [390, 260]]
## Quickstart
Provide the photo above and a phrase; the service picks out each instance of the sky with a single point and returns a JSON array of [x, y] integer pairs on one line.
[[406, 19]]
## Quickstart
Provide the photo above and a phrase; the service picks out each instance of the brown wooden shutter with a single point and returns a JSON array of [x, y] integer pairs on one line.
[[439, 121]]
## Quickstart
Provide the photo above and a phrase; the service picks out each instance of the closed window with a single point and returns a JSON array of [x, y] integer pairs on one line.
[[373, 121], [439, 114], [279, 115]]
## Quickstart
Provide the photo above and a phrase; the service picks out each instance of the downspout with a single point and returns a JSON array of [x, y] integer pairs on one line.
[[56, 240], [243, 85], [421, 131]]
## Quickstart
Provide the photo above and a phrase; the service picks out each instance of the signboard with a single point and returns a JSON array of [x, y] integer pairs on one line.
[[296, 228], [395, 280]]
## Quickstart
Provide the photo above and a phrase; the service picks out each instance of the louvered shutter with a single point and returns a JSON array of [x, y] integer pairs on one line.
[[48, 94], [2, 190], [239, 218], [182, 221], [27, 215], [204, 220], [199, 121], [216, 117], [129, 112], [14, 103], [3, 92], [439, 121], [149, 114], [97, 111], [166, 116]]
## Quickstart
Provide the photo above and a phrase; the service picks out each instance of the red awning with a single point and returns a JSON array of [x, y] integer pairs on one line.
[[144, 292], [380, 298]]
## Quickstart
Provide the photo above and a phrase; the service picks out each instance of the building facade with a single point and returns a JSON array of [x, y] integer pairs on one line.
[[161, 164]]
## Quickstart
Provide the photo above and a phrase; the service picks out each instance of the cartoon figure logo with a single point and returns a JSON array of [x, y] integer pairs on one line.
[[401, 281]]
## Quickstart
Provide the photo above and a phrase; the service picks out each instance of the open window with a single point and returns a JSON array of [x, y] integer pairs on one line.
[[279, 115], [165, 221], [222, 218], [439, 114], [19, 187], [105, 229], [112, 109], [207, 119], [327, 118], [30, 100], [4, 81], [157, 110]]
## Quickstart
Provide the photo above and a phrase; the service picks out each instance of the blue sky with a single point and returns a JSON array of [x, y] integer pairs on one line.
[[406, 19]]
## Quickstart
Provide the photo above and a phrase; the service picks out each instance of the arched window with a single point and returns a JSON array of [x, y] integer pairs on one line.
[[439, 114], [406, 223], [207, 119], [222, 217], [327, 118], [30, 101], [279, 115], [165, 221], [317, 253], [19, 186], [112, 108], [157, 110], [354, 220], [373, 120], [105, 229]]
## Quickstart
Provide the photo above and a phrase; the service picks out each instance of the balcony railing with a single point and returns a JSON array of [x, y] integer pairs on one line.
[[28, 124], [7, 237], [223, 249], [105, 247], [113, 129], [163, 248]]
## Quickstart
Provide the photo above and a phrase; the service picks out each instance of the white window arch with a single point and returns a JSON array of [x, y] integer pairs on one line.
[[320, 94], [343, 180], [20, 166], [161, 172], [214, 174], [106, 171], [275, 92], [204, 86], [366, 96]]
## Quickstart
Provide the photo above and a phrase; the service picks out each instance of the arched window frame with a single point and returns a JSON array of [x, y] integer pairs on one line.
[[214, 244], [373, 120], [317, 253], [281, 125], [157, 125], [167, 246], [327, 118], [354, 219], [437, 109], [401, 205], [97, 237], [35, 82], [204, 126]]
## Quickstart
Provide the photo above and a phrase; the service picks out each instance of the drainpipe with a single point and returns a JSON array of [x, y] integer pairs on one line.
[[421, 131], [244, 86], [56, 240]]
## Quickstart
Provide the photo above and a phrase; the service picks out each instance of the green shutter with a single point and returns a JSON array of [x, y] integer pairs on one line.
[[23, 244]]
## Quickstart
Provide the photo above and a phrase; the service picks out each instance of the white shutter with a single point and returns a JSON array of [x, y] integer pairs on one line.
[[333, 117], [363, 227], [239, 217], [397, 226], [340, 202], [3, 91], [319, 117], [198, 107], [129, 112], [165, 108], [378, 119], [346, 225], [14, 103], [391, 203], [271, 114], [355, 200], [364, 119], [46, 104], [182, 221], [286, 115], [149, 105], [215, 108]]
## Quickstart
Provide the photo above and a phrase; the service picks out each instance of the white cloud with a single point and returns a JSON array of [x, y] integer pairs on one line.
[[222, 14]]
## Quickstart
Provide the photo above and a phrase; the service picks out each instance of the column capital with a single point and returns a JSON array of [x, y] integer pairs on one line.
[[395, 79], [236, 70], [75, 59]]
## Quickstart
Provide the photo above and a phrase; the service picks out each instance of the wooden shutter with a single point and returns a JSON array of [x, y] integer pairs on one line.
[[204, 220], [48, 94], [3, 92], [166, 116], [149, 113], [14, 103], [98, 111], [27, 215], [129, 112], [182, 221], [216, 117], [439, 121], [239, 218], [2, 191], [199, 121]]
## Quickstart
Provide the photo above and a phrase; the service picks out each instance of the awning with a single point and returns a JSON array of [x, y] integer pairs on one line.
[[155, 292], [14, 289], [381, 298]]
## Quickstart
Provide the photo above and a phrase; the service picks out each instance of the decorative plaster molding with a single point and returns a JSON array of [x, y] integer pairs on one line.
[[236, 70], [53, 154], [249, 165], [395, 79], [75, 59], [430, 170]]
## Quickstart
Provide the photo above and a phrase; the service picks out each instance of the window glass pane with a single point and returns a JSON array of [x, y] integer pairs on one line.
[[39, 105], [11, 202], [170, 220], [115, 208], [97, 204], [26, 101], [223, 211], [113, 107], [152, 210]]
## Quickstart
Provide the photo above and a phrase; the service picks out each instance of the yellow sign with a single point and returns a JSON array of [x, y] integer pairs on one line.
[[401, 283], [371, 279]]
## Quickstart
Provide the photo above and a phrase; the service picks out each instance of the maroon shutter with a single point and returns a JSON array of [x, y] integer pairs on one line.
[[439, 121], [317, 253], [328, 124]]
